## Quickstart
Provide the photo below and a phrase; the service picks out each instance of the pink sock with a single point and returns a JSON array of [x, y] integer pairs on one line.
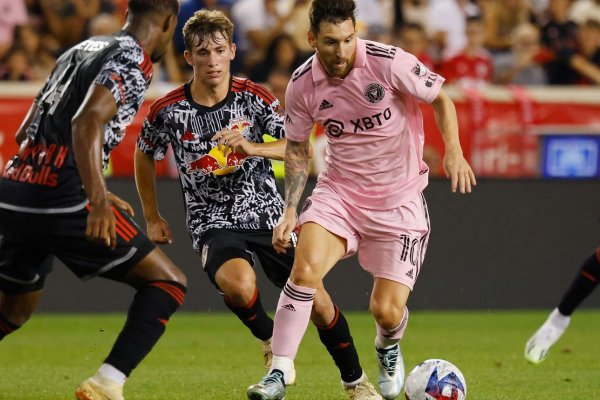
[[386, 338], [291, 319]]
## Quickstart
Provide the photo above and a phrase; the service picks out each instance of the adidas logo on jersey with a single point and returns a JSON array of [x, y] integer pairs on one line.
[[289, 307], [325, 105], [410, 274]]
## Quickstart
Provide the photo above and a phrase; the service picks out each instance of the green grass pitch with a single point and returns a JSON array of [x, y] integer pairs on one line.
[[212, 356]]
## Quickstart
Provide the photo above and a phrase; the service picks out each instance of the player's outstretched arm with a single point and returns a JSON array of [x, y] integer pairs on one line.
[[145, 180], [455, 166], [231, 139], [98, 107], [296, 174]]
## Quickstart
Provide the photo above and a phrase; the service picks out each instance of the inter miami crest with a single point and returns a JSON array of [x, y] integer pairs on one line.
[[374, 92]]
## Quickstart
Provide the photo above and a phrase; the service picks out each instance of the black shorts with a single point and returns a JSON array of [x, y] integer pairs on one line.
[[220, 245], [29, 242]]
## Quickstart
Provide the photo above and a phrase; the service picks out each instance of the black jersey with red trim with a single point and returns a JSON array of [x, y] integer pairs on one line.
[[43, 176], [230, 191]]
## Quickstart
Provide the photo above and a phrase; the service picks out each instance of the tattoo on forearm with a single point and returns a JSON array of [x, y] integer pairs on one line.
[[296, 171]]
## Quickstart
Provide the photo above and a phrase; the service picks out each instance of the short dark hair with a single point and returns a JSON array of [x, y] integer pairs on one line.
[[139, 7], [334, 11], [205, 23]]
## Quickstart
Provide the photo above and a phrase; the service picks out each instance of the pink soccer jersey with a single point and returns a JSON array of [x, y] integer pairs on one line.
[[372, 120]]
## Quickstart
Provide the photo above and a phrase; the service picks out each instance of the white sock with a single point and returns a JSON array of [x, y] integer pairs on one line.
[[385, 343], [110, 372], [559, 320], [285, 365], [356, 382]]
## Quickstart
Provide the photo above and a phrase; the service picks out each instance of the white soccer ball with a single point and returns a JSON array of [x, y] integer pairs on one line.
[[435, 380]]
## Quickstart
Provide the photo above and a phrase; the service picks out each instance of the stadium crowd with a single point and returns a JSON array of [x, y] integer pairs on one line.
[[470, 42]]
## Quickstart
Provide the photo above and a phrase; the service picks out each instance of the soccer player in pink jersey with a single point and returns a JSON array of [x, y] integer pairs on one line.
[[369, 199]]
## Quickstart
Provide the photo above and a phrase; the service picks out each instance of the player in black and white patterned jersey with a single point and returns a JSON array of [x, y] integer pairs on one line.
[[227, 187], [54, 201], [215, 125]]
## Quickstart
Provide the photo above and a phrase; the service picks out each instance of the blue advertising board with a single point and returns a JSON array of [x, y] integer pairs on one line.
[[571, 156]]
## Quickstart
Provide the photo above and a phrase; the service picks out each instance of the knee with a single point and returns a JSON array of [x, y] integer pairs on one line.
[[305, 273], [156, 266], [239, 290], [168, 272], [386, 313], [179, 277]]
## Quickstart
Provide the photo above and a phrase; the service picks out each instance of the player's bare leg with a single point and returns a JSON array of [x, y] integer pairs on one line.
[[388, 306], [237, 281], [317, 252], [161, 289], [16, 309]]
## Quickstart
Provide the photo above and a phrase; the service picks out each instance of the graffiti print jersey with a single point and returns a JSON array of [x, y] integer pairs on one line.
[[227, 191], [43, 176]]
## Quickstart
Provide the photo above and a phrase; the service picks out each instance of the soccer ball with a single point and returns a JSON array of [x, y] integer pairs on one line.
[[435, 380]]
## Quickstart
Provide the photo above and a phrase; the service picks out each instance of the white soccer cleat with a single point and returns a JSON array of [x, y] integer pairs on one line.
[[538, 346], [271, 387], [98, 388], [391, 371], [267, 351], [364, 390]]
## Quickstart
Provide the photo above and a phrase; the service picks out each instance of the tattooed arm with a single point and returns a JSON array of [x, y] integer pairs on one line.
[[296, 174]]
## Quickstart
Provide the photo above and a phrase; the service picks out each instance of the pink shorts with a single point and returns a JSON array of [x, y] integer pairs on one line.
[[390, 244]]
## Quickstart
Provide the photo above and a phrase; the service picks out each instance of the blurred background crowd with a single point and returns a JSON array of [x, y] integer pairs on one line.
[[470, 42]]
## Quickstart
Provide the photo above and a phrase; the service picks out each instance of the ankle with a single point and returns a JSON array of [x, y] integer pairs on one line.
[[558, 319], [348, 385], [286, 366], [109, 372]]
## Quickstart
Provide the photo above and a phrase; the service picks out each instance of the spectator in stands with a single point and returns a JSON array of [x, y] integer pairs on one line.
[[277, 81], [299, 24], [583, 10], [104, 24], [39, 58], [559, 36], [501, 17], [67, 20], [282, 54], [12, 14], [523, 64], [414, 11], [472, 67], [446, 26], [257, 23], [586, 62], [538, 7], [411, 37], [15, 66], [374, 19]]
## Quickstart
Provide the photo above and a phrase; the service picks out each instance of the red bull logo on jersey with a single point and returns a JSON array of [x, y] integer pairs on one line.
[[239, 125], [217, 162]]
